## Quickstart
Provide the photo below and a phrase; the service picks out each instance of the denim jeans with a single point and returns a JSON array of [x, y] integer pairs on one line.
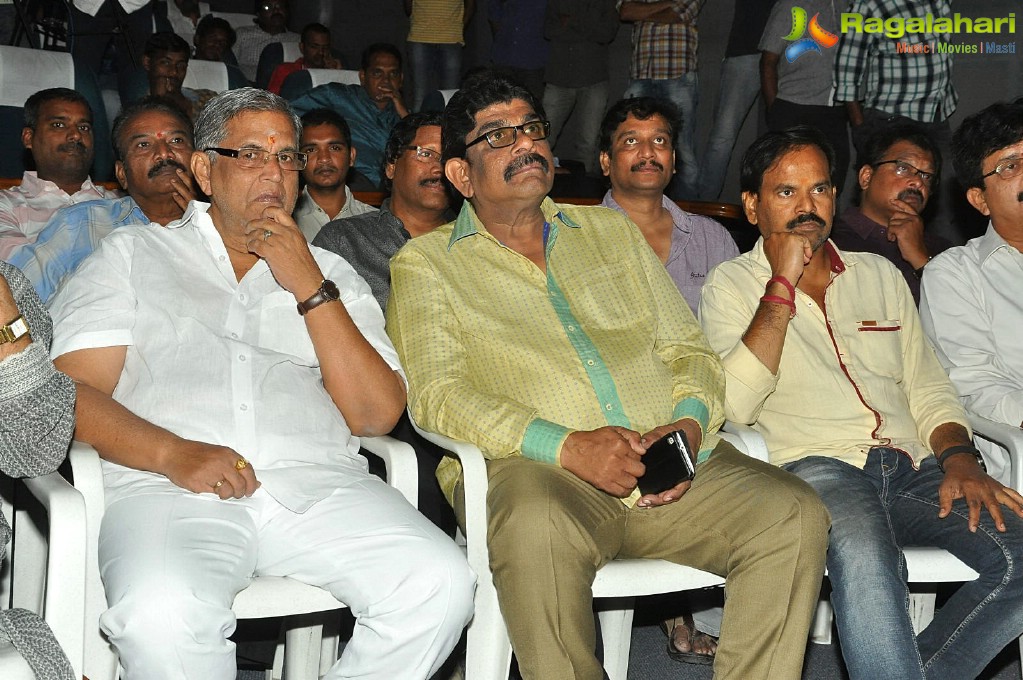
[[434, 67], [737, 90], [684, 93], [586, 106], [874, 512]]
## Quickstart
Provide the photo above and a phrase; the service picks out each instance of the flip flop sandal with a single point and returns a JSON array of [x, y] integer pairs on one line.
[[684, 657]]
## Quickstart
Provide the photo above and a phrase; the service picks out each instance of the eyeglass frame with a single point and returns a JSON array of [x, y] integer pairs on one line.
[[925, 176], [300, 156], [1001, 165], [431, 154], [545, 125]]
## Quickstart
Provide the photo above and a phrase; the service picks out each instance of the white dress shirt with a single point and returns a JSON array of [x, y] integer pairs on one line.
[[218, 360], [91, 7], [311, 217], [971, 306]]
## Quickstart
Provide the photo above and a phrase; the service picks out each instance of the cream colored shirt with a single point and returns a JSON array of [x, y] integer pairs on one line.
[[858, 374]]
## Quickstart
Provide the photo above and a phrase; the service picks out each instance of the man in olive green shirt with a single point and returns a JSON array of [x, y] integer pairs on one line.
[[552, 338]]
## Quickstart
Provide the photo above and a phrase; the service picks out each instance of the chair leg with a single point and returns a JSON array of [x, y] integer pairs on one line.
[[921, 606], [488, 649], [820, 634], [329, 644], [302, 648], [616, 633]]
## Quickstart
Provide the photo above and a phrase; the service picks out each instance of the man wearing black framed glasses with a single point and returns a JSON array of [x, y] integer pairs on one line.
[[898, 170], [552, 337], [247, 365]]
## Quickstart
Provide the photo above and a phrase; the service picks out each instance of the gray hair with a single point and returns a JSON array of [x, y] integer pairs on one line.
[[211, 125]]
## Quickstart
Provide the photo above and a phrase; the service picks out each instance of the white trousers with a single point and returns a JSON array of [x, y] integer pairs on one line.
[[172, 564]]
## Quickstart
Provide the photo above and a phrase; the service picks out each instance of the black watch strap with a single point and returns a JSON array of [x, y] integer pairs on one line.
[[327, 292], [962, 448]]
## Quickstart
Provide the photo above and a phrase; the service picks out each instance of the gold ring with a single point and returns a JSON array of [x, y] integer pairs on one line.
[[267, 234], [241, 464], [218, 484]]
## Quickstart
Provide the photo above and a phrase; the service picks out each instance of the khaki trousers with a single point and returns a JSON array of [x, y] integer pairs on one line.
[[763, 529]]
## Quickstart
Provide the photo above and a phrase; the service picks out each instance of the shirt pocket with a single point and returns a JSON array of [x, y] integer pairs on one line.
[[877, 345], [282, 329]]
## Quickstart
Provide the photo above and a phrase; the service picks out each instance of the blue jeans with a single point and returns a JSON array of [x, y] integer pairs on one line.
[[434, 67], [586, 107], [737, 90], [875, 511], [684, 93]]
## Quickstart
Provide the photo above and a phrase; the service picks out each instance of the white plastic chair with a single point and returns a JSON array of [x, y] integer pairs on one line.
[[617, 584], [49, 569], [206, 75], [307, 653], [926, 567], [321, 76]]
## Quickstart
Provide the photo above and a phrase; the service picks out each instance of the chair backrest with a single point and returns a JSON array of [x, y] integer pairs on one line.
[[207, 75], [272, 56], [436, 100], [319, 76], [236, 19]]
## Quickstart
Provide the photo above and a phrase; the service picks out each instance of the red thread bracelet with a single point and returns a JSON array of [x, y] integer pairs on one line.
[[777, 299], [785, 282]]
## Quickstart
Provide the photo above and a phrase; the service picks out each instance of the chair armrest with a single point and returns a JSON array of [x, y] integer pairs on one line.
[[475, 482], [746, 439], [400, 460], [1009, 437], [64, 603]]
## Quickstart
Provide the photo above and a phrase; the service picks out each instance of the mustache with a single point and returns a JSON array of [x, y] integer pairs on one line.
[[429, 180], [651, 162], [72, 146], [906, 193], [803, 219], [523, 161], [162, 164]]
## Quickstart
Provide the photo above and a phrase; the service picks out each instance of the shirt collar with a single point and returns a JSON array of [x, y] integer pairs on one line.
[[468, 224], [838, 263], [989, 243], [34, 186]]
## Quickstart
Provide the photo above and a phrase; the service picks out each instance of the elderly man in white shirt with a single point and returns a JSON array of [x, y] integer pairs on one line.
[[971, 306], [226, 371]]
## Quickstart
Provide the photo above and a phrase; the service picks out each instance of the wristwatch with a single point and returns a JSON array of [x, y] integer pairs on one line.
[[327, 292], [14, 330]]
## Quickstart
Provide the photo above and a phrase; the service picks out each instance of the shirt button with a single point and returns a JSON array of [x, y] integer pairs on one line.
[[571, 328], [223, 258], [244, 407], [590, 362], [241, 357], [241, 296], [234, 335], [609, 407]]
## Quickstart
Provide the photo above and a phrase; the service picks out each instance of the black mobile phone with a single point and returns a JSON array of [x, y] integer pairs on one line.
[[668, 464]]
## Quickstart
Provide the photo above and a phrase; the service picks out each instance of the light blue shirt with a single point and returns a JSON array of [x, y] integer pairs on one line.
[[69, 237]]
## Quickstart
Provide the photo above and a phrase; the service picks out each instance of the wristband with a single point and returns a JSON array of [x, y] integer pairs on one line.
[[954, 450], [785, 282], [776, 299], [919, 273]]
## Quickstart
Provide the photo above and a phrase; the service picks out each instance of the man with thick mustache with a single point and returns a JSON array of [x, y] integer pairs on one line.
[[637, 153], [551, 337], [898, 168], [153, 148], [824, 355], [58, 133], [327, 140], [225, 372]]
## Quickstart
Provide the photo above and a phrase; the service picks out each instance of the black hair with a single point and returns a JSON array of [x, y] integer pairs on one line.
[[145, 105], [767, 149], [887, 134], [477, 93], [641, 108], [996, 127], [210, 23], [328, 117], [166, 41], [402, 135], [53, 94], [312, 28], [380, 48]]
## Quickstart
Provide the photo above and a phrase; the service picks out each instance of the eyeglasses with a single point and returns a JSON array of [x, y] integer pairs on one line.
[[1007, 169], [424, 155], [505, 136], [904, 169], [257, 158]]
